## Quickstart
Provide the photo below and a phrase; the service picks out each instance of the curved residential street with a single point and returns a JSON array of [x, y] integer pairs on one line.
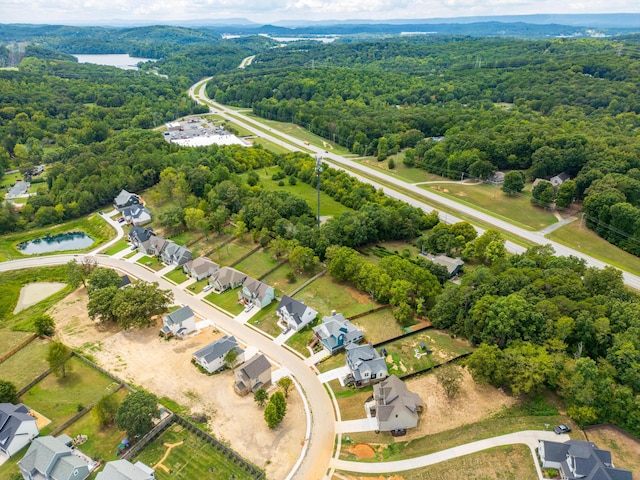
[[198, 93]]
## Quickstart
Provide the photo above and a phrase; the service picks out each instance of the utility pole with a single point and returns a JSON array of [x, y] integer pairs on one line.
[[318, 171]]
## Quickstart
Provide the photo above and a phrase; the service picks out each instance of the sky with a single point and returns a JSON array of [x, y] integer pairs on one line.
[[267, 11]]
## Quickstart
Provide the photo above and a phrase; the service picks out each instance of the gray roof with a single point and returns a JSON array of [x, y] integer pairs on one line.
[[589, 461], [125, 470], [124, 197], [135, 211], [332, 327], [178, 316], [227, 275], [364, 358], [217, 349], [254, 367], [50, 456], [392, 395], [451, 264], [257, 288], [11, 417], [20, 188], [140, 234], [294, 307], [202, 265]]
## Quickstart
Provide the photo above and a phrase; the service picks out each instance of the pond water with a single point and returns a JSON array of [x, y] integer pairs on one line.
[[120, 60], [56, 243]]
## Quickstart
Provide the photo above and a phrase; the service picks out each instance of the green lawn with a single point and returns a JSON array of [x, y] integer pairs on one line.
[[324, 295], [153, 263], [402, 172], [10, 339], [333, 361], [233, 251], [266, 320], [59, 399], [490, 198], [578, 236], [191, 459], [9, 180], [279, 281], [26, 364], [301, 339], [93, 225], [177, 276], [269, 145], [209, 244], [257, 264], [117, 247], [227, 301], [198, 286], [379, 326], [9, 470]]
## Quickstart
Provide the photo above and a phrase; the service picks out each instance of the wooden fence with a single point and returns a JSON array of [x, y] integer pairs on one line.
[[6, 356]]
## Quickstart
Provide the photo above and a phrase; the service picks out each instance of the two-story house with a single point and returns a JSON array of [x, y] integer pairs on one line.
[[255, 292], [365, 365], [336, 332]]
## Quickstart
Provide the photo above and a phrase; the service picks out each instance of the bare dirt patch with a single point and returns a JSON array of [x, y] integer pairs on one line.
[[164, 367], [625, 450], [363, 450], [33, 293]]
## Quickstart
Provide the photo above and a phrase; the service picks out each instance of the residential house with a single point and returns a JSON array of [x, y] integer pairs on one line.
[[293, 314], [200, 268], [125, 199], [17, 428], [559, 179], [212, 356], [125, 281], [579, 459], [336, 332], [365, 365], [174, 254], [180, 323], [154, 246], [256, 292], [453, 265], [396, 408], [226, 278], [139, 235], [125, 470], [252, 375], [496, 179], [50, 458], [136, 215]]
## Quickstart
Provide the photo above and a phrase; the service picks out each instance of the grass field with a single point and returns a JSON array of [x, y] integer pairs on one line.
[[301, 339], [267, 320], [491, 199], [208, 244], [227, 301], [153, 263], [402, 172], [513, 462], [192, 458], [279, 281], [198, 286], [27, 364], [257, 264], [9, 180], [10, 339], [379, 326], [233, 251], [334, 361], [578, 236], [324, 295], [177, 276], [116, 247], [59, 399], [93, 225], [269, 145]]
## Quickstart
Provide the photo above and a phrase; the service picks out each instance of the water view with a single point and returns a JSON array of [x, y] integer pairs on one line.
[[56, 243], [120, 60]]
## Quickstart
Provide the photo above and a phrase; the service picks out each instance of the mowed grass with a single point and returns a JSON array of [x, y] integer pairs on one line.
[[177, 276], [279, 281], [198, 286], [269, 145], [267, 320], [10, 339], [227, 301], [400, 171], [379, 326], [324, 295], [208, 244], [26, 364], [578, 236], [232, 252], [257, 264], [59, 399], [153, 263], [518, 208], [192, 458], [116, 247], [512, 462], [302, 338], [351, 401]]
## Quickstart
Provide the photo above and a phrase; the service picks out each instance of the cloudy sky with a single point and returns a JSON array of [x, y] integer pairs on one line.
[[264, 11]]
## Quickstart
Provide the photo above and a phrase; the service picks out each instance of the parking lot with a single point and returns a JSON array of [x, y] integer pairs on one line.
[[196, 131]]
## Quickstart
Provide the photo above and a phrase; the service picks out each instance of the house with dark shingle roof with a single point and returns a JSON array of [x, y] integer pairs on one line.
[[180, 323], [365, 365], [139, 235], [453, 265], [256, 292], [252, 375], [336, 332], [294, 314], [49, 458], [174, 254], [200, 268], [17, 428], [396, 408], [577, 459], [226, 278], [125, 470], [136, 215], [211, 357], [125, 199]]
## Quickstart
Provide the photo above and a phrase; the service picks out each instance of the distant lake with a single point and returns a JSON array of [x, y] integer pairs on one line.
[[56, 243], [120, 60]]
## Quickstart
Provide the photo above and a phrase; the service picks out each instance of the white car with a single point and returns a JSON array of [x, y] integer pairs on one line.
[[249, 307], [207, 287]]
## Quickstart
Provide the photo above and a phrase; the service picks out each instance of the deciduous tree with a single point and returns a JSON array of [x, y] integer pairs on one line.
[[137, 412], [57, 357]]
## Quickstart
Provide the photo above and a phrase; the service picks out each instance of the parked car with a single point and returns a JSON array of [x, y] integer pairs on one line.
[[121, 219], [207, 287], [560, 429], [249, 307], [134, 247]]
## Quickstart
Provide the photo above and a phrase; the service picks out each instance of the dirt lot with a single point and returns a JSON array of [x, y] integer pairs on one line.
[[164, 368], [33, 293], [625, 450]]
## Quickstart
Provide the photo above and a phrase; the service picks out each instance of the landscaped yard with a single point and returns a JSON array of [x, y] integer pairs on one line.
[[190, 458], [227, 301], [257, 264], [153, 263], [324, 295], [232, 252], [59, 399], [10, 339], [198, 286], [379, 326], [267, 320], [334, 361], [26, 364], [117, 247], [301, 339], [177, 276]]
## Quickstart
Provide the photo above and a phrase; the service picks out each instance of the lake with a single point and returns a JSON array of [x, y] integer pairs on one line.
[[120, 60], [56, 243]]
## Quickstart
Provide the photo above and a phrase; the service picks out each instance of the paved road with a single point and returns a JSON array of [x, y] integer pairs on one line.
[[528, 437], [321, 439], [198, 93]]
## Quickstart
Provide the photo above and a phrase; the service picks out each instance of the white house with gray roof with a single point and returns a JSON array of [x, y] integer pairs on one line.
[[252, 375], [256, 292], [336, 332], [49, 458], [365, 365], [394, 406], [180, 323], [294, 314], [211, 357], [17, 428], [125, 470], [136, 215], [200, 268]]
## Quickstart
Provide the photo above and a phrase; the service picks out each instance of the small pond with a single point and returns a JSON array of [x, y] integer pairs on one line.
[[56, 243]]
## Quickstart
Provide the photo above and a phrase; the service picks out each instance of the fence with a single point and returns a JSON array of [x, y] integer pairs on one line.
[[43, 375], [246, 255], [150, 436], [102, 370], [612, 427], [435, 367], [404, 335], [18, 348], [368, 312], [307, 283], [264, 275]]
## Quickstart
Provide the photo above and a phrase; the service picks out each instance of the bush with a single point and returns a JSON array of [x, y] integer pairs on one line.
[[391, 164], [292, 180], [281, 183]]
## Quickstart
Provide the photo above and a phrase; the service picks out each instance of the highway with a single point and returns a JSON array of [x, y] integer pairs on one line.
[[198, 93]]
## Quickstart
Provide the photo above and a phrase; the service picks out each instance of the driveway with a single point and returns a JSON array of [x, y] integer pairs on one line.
[[354, 426]]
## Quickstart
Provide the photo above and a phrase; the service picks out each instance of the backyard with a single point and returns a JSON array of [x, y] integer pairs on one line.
[[379, 326], [284, 280], [258, 263], [324, 295], [10, 339], [26, 364], [232, 252]]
